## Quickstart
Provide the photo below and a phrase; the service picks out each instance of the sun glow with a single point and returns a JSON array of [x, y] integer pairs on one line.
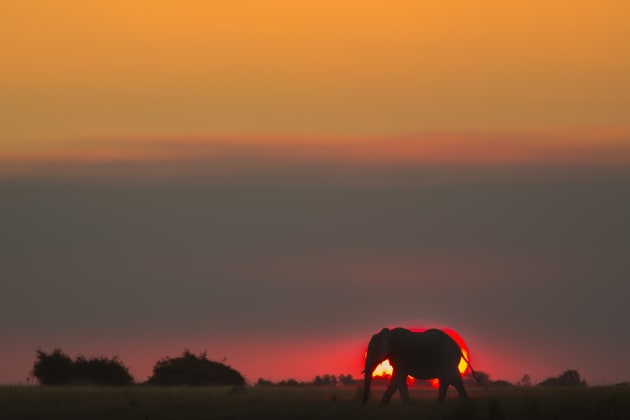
[[384, 369], [462, 366]]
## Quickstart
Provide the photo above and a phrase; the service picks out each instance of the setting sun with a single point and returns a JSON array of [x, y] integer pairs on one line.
[[463, 365], [384, 370]]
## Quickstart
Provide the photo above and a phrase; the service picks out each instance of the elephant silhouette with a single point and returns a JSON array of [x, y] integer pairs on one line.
[[423, 355]]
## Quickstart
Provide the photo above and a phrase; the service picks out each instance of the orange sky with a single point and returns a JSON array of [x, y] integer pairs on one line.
[[75, 71]]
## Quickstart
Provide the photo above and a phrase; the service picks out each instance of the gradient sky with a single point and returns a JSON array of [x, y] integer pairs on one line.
[[274, 181]]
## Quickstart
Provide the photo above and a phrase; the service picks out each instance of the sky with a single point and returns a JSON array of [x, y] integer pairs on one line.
[[274, 181]]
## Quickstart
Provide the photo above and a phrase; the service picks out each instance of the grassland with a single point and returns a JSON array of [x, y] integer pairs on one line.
[[149, 403]]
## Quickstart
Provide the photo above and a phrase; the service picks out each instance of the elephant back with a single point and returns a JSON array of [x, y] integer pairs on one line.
[[424, 354]]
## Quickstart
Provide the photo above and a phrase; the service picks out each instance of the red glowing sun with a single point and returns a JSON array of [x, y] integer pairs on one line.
[[384, 370]]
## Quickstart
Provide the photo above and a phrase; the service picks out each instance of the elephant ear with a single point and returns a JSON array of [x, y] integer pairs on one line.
[[386, 341]]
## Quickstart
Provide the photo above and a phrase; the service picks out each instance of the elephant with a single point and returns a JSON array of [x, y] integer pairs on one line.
[[422, 355]]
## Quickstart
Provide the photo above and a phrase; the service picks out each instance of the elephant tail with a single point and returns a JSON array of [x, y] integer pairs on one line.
[[474, 374]]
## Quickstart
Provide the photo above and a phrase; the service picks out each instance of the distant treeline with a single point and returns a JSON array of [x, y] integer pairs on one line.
[[57, 368], [569, 377], [320, 380]]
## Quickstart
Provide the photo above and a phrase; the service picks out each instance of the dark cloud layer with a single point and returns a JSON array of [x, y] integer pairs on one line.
[[536, 267]]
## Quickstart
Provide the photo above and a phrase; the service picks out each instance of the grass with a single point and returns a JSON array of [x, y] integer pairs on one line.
[[153, 403]]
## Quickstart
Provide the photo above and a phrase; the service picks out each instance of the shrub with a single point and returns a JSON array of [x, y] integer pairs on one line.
[[189, 369], [57, 368], [53, 369], [264, 382], [102, 371], [567, 378]]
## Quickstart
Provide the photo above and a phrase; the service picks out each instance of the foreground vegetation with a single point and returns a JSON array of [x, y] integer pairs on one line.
[[147, 402]]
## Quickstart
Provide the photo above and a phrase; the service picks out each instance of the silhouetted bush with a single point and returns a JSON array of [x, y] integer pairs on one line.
[[57, 368], [348, 380], [484, 379], [501, 383], [102, 371], [53, 369], [567, 378], [325, 380], [332, 380], [264, 382], [189, 369], [526, 380], [290, 382]]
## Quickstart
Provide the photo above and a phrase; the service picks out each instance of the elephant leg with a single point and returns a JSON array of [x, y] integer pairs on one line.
[[444, 383], [404, 391], [391, 388], [458, 383]]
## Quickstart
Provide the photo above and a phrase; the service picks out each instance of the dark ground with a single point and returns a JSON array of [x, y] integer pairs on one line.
[[149, 403]]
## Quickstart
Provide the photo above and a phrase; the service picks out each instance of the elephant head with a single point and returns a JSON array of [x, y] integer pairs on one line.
[[378, 351]]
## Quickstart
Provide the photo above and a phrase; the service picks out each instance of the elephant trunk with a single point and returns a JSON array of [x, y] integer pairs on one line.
[[378, 350], [370, 365], [366, 387]]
